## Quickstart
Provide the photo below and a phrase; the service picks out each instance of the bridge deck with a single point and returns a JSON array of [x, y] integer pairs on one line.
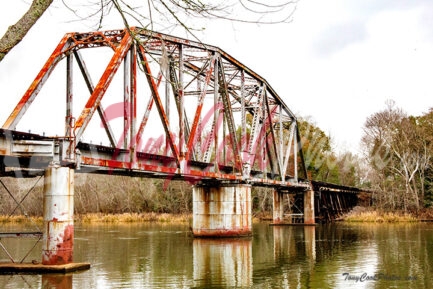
[[25, 155]]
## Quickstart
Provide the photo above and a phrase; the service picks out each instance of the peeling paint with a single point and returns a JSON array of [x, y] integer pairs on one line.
[[222, 211]]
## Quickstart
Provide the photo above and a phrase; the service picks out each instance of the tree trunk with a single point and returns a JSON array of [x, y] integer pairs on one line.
[[16, 33]]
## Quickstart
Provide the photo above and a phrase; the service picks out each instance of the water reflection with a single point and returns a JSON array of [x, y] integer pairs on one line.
[[222, 263], [161, 256], [288, 242], [57, 281]]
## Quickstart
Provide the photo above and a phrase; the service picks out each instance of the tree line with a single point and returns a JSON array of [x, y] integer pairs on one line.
[[398, 149], [395, 164]]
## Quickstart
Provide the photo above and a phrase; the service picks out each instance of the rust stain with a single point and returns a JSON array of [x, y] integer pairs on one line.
[[63, 254], [57, 281], [223, 233]]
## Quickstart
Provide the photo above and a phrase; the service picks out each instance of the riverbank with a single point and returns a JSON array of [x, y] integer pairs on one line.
[[370, 215], [109, 218], [358, 214]]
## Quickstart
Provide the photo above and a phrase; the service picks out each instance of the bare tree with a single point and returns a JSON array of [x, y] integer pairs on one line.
[[160, 13], [399, 152], [378, 130]]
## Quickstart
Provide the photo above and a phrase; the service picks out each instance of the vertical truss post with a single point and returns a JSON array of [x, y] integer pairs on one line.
[[256, 126], [224, 139], [126, 99], [133, 107], [166, 74], [288, 151], [246, 169], [295, 152], [69, 97], [181, 104], [228, 115], [301, 155], [264, 165], [280, 157], [198, 141], [243, 116], [216, 112]]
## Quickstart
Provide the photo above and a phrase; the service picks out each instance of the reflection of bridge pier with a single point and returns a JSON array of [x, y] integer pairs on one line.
[[293, 241], [227, 262], [285, 243], [57, 281]]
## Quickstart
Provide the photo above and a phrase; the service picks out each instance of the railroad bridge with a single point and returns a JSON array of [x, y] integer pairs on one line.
[[140, 103]]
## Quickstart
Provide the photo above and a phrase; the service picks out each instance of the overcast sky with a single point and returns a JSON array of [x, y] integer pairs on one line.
[[338, 61]]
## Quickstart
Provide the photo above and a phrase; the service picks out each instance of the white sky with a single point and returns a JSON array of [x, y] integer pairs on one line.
[[338, 61]]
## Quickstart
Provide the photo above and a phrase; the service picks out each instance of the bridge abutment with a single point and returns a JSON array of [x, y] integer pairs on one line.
[[58, 235], [222, 211]]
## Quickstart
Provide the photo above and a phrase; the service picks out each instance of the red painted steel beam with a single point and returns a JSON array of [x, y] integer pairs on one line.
[[37, 84], [191, 140], [159, 104], [101, 111], [146, 116], [234, 88], [95, 99]]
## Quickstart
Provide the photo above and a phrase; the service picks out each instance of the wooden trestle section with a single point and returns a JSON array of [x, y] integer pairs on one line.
[[330, 202]]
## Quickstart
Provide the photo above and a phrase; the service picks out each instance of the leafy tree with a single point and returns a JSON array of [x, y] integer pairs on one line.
[[318, 155]]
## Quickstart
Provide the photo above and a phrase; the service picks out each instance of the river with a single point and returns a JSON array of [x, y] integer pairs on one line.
[[146, 255]]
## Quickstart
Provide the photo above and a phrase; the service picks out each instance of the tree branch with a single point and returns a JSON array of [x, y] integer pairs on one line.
[[16, 33]]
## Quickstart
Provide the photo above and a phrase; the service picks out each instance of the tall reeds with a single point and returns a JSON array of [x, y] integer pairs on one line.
[[379, 217]]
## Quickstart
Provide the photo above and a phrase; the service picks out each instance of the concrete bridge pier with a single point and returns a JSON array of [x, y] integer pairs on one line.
[[58, 234], [278, 207], [309, 215], [222, 210]]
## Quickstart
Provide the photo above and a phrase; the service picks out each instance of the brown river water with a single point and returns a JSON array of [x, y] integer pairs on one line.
[[159, 255]]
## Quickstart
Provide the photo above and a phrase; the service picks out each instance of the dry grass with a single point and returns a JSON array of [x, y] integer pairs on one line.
[[108, 218], [19, 219], [369, 216], [133, 218]]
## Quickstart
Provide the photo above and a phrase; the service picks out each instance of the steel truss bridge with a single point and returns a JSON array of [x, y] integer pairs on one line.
[[164, 107], [215, 119], [140, 103]]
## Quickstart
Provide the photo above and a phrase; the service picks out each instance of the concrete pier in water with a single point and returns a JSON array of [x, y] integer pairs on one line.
[[278, 207], [58, 235], [309, 215], [222, 211]]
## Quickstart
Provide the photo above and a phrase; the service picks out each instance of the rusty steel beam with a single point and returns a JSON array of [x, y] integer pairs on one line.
[[95, 99], [91, 88], [159, 105], [198, 77], [146, 116], [37, 84], [193, 132]]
